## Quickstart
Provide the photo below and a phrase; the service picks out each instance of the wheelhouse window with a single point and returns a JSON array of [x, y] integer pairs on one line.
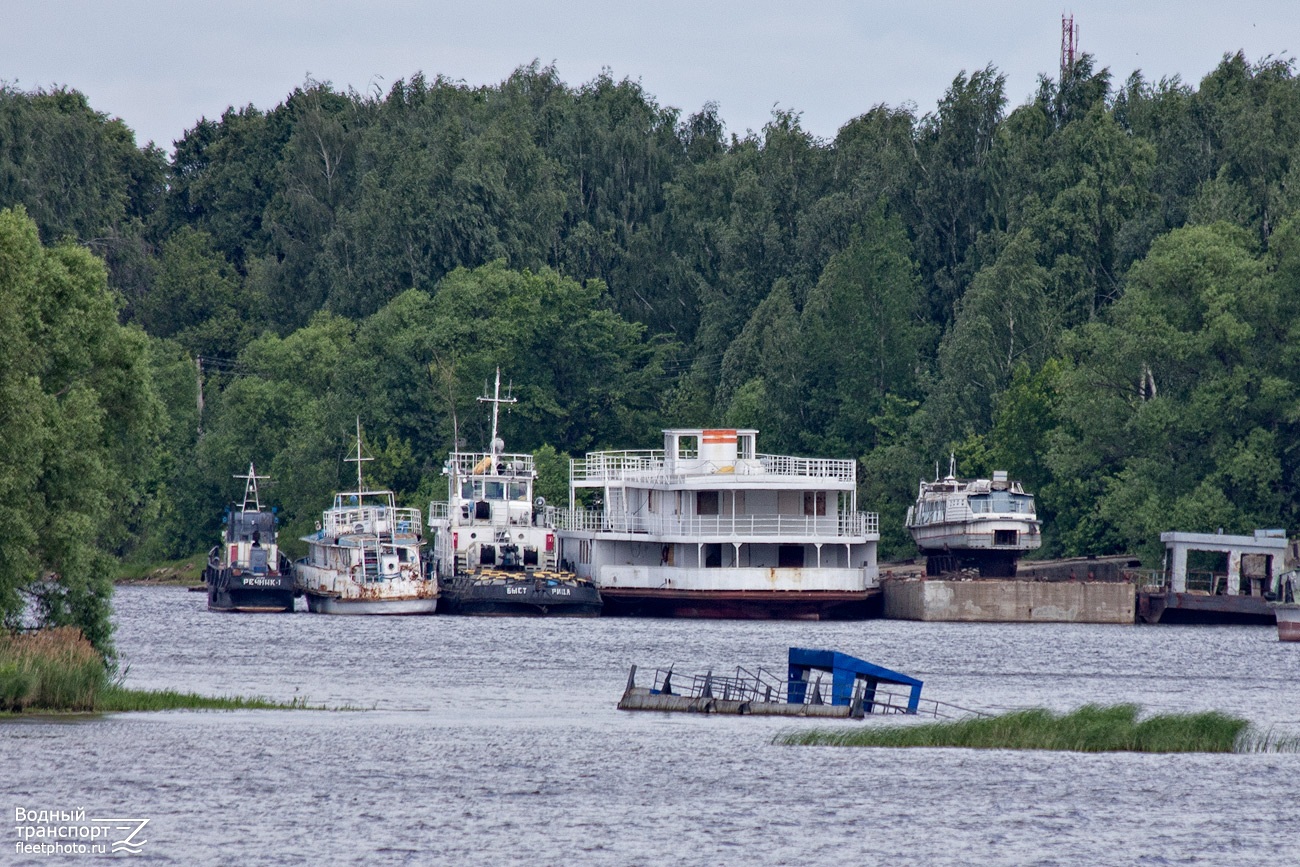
[[1001, 502]]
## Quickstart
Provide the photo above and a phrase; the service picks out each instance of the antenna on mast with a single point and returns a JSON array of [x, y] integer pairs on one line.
[[250, 488], [361, 486], [497, 446], [1069, 44]]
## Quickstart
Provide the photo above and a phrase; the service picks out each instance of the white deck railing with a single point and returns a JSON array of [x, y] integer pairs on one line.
[[513, 464], [850, 524], [652, 466], [371, 520]]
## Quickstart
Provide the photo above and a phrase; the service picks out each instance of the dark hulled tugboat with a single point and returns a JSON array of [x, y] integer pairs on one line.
[[247, 572], [495, 546]]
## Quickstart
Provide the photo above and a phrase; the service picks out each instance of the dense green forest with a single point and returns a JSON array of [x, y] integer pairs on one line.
[[1096, 290]]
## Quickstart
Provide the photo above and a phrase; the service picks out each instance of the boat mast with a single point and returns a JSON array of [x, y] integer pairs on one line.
[[496, 446], [361, 486], [250, 488]]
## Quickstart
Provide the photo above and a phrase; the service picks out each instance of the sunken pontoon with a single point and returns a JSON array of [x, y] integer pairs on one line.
[[816, 683]]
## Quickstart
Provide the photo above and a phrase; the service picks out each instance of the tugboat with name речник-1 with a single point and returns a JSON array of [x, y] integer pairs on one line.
[[495, 548], [247, 572], [365, 558]]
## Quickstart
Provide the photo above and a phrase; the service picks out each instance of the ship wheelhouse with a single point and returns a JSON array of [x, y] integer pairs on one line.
[[490, 519]]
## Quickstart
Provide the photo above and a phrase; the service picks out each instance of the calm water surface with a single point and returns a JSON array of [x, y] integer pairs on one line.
[[497, 741]]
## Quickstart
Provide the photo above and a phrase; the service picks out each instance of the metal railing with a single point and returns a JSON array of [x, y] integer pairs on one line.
[[374, 520], [654, 466], [848, 524], [512, 464], [764, 686], [1198, 581]]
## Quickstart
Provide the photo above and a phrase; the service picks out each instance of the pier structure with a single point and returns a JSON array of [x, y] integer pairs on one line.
[[1239, 594]]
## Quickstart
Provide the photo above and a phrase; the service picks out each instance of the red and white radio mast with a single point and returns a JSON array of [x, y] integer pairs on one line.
[[1069, 44]]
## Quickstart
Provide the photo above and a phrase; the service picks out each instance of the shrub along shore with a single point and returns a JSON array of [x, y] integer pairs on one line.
[[1091, 728], [57, 670]]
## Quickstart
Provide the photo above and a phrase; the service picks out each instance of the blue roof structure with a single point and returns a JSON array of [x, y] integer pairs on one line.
[[845, 670]]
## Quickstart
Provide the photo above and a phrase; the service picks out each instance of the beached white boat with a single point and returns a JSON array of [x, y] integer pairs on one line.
[[494, 547], [708, 527], [973, 523], [365, 557]]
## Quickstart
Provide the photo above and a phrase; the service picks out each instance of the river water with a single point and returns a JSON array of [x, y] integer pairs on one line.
[[497, 741]]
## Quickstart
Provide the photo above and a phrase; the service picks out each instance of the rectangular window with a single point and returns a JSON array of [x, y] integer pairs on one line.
[[814, 503], [706, 502]]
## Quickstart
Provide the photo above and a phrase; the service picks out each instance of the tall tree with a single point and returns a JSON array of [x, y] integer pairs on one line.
[[78, 417]]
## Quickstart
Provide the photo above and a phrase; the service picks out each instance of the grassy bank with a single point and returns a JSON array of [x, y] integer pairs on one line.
[[57, 670], [1091, 728], [186, 571]]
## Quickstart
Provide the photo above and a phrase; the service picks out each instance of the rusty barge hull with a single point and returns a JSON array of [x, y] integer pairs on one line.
[[1200, 608], [744, 604], [318, 604]]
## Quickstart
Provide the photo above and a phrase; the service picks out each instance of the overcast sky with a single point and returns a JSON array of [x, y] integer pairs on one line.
[[160, 65]]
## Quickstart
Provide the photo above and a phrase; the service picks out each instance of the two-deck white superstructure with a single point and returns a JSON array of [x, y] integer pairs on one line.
[[709, 527]]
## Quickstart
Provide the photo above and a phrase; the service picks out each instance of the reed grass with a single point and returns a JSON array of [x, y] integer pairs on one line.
[[57, 670], [1091, 728], [50, 668], [117, 698]]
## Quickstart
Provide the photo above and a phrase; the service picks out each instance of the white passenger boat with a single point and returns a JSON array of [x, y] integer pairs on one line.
[[495, 548], [708, 527], [973, 523], [365, 557]]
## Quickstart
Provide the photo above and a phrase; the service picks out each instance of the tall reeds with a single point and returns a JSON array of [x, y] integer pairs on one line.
[[59, 670], [55, 669], [1091, 728]]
